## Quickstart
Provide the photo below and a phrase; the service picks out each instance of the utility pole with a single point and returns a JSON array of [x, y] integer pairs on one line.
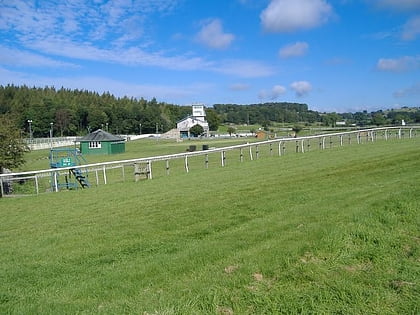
[[51, 134], [30, 129]]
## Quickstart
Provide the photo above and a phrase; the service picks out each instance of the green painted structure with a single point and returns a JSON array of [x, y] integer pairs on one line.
[[101, 142], [73, 177]]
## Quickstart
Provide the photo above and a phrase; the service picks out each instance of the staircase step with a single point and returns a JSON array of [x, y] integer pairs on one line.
[[80, 177]]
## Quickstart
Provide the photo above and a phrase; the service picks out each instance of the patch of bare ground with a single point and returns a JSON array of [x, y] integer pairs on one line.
[[223, 310], [230, 269]]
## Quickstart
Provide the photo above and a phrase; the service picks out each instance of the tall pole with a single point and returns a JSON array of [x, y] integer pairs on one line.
[[140, 128], [30, 129], [51, 133]]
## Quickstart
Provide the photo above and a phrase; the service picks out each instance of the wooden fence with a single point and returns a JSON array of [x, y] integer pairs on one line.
[[36, 182]]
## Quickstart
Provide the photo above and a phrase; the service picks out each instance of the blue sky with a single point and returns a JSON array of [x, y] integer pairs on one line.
[[341, 55]]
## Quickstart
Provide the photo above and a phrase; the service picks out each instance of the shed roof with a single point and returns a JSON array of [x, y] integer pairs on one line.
[[100, 135]]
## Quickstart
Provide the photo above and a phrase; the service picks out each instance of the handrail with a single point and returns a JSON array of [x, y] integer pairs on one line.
[[198, 153]]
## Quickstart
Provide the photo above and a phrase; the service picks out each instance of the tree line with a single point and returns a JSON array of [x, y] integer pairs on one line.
[[76, 112]]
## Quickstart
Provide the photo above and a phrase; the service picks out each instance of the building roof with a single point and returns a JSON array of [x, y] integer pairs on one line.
[[197, 118], [100, 135]]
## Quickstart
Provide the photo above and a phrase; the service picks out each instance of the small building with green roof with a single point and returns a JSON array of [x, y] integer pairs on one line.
[[101, 142]]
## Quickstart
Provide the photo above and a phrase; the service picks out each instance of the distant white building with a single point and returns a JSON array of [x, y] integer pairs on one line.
[[198, 117]]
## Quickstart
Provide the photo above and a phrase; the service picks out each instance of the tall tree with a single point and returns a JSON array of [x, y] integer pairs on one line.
[[12, 149], [213, 119], [62, 119]]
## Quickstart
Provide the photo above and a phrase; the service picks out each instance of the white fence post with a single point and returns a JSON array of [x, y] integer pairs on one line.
[[136, 172], [36, 185], [371, 135], [104, 172], [55, 182], [149, 167], [250, 152], [222, 157], [167, 167], [186, 164], [1, 187]]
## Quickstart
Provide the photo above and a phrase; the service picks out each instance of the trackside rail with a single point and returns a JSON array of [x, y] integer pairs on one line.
[[301, 145]]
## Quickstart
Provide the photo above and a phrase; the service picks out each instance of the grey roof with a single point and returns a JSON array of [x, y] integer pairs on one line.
[[100, 135]]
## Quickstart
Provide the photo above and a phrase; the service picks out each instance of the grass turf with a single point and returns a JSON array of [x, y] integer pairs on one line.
[[334, 231]]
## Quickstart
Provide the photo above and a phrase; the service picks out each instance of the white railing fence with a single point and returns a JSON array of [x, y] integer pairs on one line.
[[36, 182]]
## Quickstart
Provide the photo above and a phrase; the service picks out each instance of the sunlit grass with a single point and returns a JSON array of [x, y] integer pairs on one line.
[[333, 231]]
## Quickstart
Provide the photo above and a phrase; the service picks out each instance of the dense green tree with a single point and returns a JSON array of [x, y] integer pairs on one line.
[[231, 130], [296, 129], [379, 119], [330, 119], [213, 119], [73, 112], [12, 148], [62, 120], [196, 130]]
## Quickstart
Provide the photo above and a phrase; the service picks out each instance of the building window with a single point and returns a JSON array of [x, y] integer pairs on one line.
[[95, 145]]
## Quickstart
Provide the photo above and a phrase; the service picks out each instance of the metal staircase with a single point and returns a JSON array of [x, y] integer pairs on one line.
[[80, 177], [68, 157]]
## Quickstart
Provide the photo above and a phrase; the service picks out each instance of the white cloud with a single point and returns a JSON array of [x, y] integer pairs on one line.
[[59, 46], [273, 94], [213, 36], [19, 58], [262, 95], [108, 32], [293, 15], [402, 64], [126, 56], [411, 29], [301, 88], [276, 91], [294, 50], [413, 90], [76, 19]]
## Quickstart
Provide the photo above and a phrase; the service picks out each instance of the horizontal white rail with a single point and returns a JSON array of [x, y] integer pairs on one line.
[[370, 135]]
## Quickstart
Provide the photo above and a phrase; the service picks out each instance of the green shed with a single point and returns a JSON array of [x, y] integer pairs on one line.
[[101, 142]]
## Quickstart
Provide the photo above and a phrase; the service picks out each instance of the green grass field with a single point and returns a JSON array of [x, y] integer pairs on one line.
[[38, 159], [333, 231]]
